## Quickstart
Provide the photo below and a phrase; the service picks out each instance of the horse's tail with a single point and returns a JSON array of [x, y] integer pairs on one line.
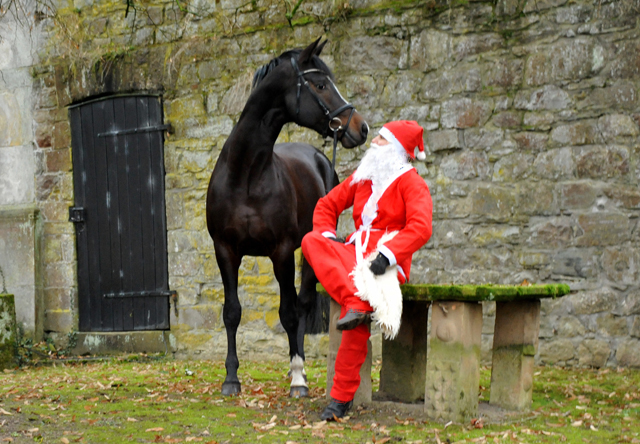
[[318, 316]]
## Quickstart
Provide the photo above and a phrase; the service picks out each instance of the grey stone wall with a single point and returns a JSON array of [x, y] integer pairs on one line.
[[18, 212], [532, 118]]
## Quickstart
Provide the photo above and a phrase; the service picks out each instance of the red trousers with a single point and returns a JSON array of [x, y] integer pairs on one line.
[[332, 263]]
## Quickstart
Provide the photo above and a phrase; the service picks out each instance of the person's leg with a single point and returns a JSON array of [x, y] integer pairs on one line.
[[351, 355], [333, 263]]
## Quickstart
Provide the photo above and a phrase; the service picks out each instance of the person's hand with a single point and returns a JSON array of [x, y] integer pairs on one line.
[[337, 239], [379, 264]]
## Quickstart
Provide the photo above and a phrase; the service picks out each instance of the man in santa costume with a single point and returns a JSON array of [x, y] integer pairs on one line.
[[392, 213]]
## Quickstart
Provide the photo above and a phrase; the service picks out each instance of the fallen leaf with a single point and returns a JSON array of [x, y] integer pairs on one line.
[[132, 420], [64, 440], [4, 412], [576, 423], [155, 429]]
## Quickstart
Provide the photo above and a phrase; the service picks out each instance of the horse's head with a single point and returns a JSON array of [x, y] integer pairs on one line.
[[312, 98]]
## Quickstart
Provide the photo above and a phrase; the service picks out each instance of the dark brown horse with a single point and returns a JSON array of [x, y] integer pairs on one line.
[[261, 197]]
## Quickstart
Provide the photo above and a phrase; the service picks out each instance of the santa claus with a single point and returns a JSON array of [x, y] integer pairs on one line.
[[392, 213]]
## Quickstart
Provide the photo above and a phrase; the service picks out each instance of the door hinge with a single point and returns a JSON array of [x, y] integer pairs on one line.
[[76, 214]]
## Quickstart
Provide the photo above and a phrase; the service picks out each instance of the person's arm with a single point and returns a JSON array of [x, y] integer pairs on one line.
[[329, 208], [417, 230]]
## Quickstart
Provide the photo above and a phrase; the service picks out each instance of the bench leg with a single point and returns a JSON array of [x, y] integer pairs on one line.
[[363, 394], [404, 359], [453, 364], [515, 342]]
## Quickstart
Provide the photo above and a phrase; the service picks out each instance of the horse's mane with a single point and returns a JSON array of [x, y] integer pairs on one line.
[[264, 70]]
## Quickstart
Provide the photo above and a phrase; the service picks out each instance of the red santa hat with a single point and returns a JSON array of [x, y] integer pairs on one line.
[[405, 134]]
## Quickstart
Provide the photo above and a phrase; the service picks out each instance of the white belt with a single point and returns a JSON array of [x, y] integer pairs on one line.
[[356, 238]]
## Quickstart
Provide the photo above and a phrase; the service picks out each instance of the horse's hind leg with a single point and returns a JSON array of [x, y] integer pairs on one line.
[[284, 270], [229, 262], [307, 301]]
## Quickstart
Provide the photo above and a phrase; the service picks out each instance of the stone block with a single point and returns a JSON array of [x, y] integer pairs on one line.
[[125, 342], [400, 89], [592, 302], [546, 98], [617, 125], [404, 359], [629, 305], [370, 53], [635, 328], [513, 168], [593, 353], [619, 95], [495, 235], [430, 50], [508, 119], [466, 165], [535, 198], [555, 164], [493, 202], [620, 264], [443, 140], [531, 141], [603, 229], [58, 320], [556, 351], [481, 138], [17, 169], [453, 374], [569, 327], [585, 132], [515, 343], [550, 232], [8, 332], [504, 73], [624, 196], [363, 394], [626, 61], [627, 353], [602, 162], [465, 113], [577, 195], [442, 84], [472, 44]]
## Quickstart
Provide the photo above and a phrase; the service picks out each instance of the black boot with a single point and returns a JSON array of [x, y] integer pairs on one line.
[[352, 319], [335, 410]]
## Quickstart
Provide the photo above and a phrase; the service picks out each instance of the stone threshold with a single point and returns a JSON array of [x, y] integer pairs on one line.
[[115, 343]]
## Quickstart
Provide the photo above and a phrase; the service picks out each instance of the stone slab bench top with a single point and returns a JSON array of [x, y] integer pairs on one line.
[[470, 293]]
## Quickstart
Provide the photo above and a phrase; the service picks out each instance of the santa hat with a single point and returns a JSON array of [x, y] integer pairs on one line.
[[405, 134]]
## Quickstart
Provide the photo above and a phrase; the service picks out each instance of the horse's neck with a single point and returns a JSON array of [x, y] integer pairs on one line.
[[250, 145]]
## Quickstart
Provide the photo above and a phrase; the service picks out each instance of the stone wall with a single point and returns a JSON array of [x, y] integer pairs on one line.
[[19, 216], [531, 110]]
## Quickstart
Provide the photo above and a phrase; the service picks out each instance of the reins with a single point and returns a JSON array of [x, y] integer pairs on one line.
[[331, 115]]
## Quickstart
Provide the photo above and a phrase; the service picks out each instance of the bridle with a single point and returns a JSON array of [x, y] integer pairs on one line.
[[332, 116]]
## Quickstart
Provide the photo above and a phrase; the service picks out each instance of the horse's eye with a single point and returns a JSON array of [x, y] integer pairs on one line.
[[321, 86]]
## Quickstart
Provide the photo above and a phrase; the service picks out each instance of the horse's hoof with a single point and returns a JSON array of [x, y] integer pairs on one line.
[[299, 392], [231, 388]]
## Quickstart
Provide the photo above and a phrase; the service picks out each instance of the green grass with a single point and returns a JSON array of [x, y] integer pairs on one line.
[[153, 400]]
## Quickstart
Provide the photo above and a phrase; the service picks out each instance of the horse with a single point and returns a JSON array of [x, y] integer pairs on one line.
[[261, 197]]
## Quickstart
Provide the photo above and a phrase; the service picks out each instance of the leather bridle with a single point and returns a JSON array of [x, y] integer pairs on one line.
[[332, 116]]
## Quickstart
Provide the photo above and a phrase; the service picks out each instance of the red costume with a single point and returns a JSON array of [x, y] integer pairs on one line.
[[404, 206]]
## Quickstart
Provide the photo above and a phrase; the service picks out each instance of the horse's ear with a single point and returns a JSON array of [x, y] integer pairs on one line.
[[320, 47], [308, 52]]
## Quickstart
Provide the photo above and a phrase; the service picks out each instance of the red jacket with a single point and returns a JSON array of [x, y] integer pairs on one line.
[[405, 206]]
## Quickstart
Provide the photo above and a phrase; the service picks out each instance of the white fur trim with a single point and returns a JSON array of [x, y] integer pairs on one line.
[[421, 155], [329, 234], [388, 254], [389, 136], [382, 292]]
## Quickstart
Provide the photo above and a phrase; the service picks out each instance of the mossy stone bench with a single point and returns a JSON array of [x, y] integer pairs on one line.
[[451, 382]]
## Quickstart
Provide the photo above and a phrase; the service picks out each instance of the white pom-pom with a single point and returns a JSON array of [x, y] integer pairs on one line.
[[421, 155]]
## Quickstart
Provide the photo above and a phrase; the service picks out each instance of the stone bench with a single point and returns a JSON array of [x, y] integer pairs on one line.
[[449, 378]]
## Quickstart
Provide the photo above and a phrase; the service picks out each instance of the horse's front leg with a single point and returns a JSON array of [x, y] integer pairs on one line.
[[229, 262], [284, 270]]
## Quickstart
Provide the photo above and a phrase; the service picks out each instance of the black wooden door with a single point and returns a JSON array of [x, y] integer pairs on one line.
[[119, 213]]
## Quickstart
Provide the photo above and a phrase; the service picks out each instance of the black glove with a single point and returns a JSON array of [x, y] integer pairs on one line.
[[379, 264], [337, 239]]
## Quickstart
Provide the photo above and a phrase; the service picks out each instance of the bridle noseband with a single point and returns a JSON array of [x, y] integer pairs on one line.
[[332, 116]]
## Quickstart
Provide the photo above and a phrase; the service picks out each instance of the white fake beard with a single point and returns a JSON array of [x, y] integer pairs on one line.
[[380, 162]]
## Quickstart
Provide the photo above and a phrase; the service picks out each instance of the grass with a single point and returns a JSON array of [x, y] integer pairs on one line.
[[147, 400]]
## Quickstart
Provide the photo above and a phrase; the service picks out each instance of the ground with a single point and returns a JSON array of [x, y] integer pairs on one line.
[[148, 399]]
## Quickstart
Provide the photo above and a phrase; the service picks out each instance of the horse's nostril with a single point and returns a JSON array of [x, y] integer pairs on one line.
[[364, 130]]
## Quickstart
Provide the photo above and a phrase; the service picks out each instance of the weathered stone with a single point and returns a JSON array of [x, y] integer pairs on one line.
[[629, 305], [515, 342], [625, 196], [626, 60], [429, 50], [612, 325], [600, 162], [635, 329], [503, 73], [546, 98], [574, 262], [531, 141], [496, 235], [466, 165], [443, 140], [558, 351], [555, 164], [508, 119], [514, 167], [438, 85], [58, 320], [592, 302], [622, 94], [465, 113], [617, 125], [17, 168], [541, 121], [593, 353], [580, 133], [453, 373], [601, 229], [570, 327], [627, 353], [482, 138], [574, 14], [370, 53], [8, 332], [620, 264], [492, 202], [58, 161], [402, 377], [577, 195], [400, 89], [469, 45]]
